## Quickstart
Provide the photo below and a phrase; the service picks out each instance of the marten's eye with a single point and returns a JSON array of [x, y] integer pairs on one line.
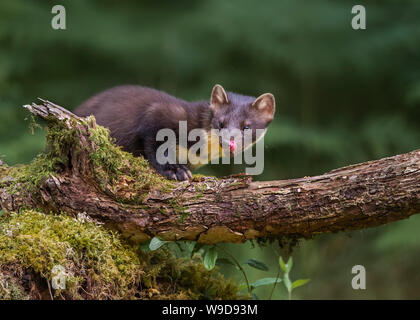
[[246, 127]]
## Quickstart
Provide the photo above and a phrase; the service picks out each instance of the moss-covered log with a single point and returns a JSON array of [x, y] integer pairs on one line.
[[96, 264], [83, 171]]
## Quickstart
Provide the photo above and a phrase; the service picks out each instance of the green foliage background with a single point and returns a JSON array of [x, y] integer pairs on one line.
[[343, 96]]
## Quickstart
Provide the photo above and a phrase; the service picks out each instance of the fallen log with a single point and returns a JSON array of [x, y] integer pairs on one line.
[[81, 171]]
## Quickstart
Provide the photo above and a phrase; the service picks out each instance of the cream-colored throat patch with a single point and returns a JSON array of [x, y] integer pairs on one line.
[[201, 153]]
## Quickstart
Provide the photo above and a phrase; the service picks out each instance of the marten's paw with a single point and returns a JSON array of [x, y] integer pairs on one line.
[[177, 172]]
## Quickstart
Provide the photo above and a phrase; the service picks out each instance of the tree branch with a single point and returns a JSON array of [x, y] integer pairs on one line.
[[207, 209]]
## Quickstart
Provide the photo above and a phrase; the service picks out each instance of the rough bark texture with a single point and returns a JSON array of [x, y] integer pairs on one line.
[[232, 209]]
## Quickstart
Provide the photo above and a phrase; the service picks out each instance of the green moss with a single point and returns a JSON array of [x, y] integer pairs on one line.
[[234, 184], [4, 169], [127, 177], [198, 177], [27, 177], [98, 264], [199, 188], [94, 259], [179, 209], [120, 171], [169, 278], [60, 141], [10, 288]]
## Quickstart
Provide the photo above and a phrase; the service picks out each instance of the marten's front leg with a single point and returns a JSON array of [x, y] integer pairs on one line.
[[178, 172]]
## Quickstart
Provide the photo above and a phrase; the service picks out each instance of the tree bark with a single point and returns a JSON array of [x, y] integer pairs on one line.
[[231, 209]]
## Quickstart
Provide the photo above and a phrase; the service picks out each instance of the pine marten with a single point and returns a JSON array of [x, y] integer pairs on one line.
[[134, 115]]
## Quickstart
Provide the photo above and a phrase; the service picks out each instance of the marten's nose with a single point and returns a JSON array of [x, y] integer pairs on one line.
[[232, 145]]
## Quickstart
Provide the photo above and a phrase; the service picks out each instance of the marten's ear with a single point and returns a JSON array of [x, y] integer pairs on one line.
[[265, 105], [218, 96]]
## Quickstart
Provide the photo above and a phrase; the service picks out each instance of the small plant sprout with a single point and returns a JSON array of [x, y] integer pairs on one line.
[[289, 285], [156, 243]]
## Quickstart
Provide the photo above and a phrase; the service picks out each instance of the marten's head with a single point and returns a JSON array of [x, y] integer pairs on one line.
[[235, 113]]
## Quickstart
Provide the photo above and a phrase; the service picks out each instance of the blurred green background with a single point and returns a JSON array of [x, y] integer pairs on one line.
[[343, 96]]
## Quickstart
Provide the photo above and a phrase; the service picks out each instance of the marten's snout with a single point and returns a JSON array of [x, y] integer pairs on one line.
[[231, 142], [232, 145]]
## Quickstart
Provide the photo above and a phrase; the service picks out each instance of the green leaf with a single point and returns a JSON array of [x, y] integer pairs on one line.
[[197, 247], [289, 265], [265, 281], [282, 264], [226, 261], [2, 212], [287, 282], [286, 267], [257, 264], [299, 283], [156, 243], [242, 286], [210, 258], [188, 247], [145, 246]]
